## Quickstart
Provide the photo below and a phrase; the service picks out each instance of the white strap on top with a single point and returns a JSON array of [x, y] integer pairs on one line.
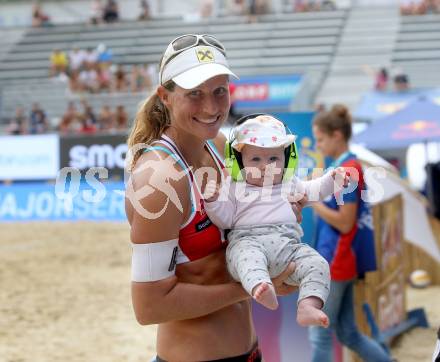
[[172, 147]]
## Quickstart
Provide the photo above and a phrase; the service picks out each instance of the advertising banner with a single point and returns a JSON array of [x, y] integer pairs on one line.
[[95, 201], [83, 152], [33, 157], [266, 92]]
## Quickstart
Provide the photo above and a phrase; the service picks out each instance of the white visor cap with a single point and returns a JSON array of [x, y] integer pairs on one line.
[[194, 66]]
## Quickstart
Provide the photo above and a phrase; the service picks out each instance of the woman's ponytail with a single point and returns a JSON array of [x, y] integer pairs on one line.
[[152, 118]]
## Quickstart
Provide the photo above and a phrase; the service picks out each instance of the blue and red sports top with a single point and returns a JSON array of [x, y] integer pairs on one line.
[[352, 254]]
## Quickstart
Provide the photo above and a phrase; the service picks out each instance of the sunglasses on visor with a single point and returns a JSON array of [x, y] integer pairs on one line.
[[188, 41]]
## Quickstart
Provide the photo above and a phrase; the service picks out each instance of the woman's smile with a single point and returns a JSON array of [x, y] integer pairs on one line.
[[209, 122]]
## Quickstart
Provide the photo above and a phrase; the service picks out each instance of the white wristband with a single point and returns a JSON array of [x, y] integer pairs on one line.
[[153, 261]]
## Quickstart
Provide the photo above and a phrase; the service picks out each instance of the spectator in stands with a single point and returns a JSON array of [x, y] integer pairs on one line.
[[39, 18], [76, 58], [206, 9], [401, 82], [37, 120], [70, 122], [257, 7], [237, 7], [88, 122], [88, 114], [299, 6], [111, 11], [58, 63], [309, 5], [88, 79], [96, 12], [104, 55], [320, 107], [149, 72], [381, 82], [121, 118], [139, 78], [103, 78], [145, 10], [106, 118], [18, 123], [74, 81], [120, 79], [419, 7], [90, 58]]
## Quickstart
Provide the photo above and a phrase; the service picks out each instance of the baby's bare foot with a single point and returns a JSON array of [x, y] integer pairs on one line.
[[264, 293], [309, 315]]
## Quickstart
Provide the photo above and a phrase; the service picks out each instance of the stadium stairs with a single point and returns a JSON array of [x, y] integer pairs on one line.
[[368, 39]]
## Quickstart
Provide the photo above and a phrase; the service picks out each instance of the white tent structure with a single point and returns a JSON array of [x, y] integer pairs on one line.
[[417, 229]]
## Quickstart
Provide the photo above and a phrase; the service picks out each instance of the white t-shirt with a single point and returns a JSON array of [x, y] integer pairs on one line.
[[76, 59]]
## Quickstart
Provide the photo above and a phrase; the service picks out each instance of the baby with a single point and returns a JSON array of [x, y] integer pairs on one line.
[[264, 234]]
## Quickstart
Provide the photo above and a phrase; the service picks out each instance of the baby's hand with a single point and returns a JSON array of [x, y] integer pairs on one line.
[[211, 191], [341, 177]]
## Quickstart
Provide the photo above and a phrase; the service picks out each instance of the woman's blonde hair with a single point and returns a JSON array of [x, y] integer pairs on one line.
[[338, 118], [152, 118]]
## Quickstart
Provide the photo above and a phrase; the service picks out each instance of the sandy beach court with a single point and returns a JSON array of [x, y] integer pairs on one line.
[[65, 296]]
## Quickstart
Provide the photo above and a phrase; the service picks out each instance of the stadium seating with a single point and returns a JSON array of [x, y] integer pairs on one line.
[[417, 50], [276, 44]]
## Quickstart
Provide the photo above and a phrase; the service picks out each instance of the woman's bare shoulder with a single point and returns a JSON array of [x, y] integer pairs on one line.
[[157, 195]]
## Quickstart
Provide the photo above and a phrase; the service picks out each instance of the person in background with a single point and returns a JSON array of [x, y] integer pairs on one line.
[[39, 18], [120, 79], [90, 58], [88, 79], [145, 13], [104, 56], [18, 123], [256, 8], [58, 63], [121, 118], [96, 12], [236, 7], [76, 59], [337, 229], [149, 72], [70, 122], [137, 82], [106, 118], [104, 79], [37, 120], [111, 11], [381, 82], [206, 9], [88, 115], [401, 82]]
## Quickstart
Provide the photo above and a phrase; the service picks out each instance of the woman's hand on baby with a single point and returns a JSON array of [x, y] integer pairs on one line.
[[341, 177], [212, 191], [278, 282]]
